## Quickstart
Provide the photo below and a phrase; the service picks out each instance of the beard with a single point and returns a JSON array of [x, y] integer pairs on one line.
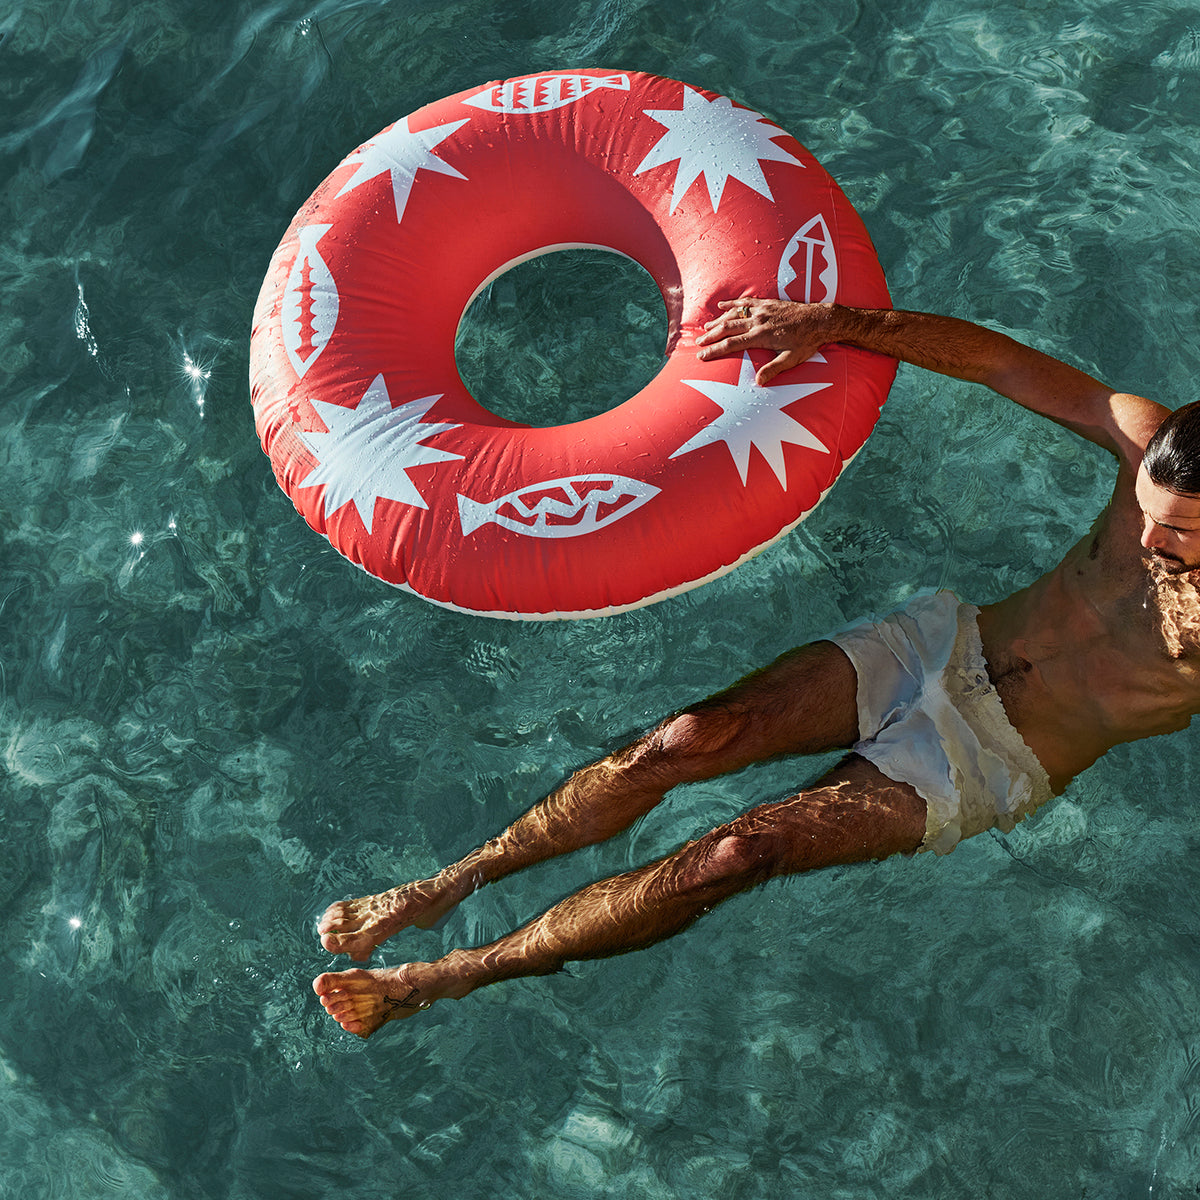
[[1174, 591], [1168, 564]]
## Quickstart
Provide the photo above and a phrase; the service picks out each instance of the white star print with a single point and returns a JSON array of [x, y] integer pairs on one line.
[[716, 140], [404, 154], [369, 449], [754, 416]]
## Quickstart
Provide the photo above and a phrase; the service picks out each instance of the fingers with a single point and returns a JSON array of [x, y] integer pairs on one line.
[[746, 302], [730, 332], [735, 314], [721, 330], [733, 344], [783, 361], [715, 345], [792, 331]]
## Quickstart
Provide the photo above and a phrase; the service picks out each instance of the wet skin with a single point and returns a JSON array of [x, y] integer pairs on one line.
[[1100, 650]]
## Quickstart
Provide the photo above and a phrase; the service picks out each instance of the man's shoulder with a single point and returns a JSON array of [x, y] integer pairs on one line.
[[1134, 421]]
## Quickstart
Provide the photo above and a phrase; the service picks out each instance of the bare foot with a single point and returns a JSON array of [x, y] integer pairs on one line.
[[356, 927], [361, 1001]]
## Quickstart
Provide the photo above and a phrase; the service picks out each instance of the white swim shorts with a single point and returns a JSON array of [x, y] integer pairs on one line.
[[929, 717]]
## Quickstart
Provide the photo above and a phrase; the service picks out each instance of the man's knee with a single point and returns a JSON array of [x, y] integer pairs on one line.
[[731, 854], [701, 732]]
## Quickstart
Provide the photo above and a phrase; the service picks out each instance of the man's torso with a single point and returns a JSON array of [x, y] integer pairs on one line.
[[1083, 659]]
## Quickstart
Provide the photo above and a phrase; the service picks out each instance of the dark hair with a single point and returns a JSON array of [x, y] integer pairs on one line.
[[1172, 458]]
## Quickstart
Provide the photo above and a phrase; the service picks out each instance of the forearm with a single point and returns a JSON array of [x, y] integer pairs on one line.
[[1119, 422], [943, 344], [962, 350], [797, 331]]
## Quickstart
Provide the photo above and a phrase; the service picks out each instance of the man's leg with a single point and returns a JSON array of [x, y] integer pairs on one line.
[[853, 814], [803, 703]]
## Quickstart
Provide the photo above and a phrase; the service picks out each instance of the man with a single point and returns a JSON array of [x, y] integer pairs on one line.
[[960, 719]]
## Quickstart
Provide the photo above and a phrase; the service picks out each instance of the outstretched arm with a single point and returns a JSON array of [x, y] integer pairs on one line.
[[1120, 422]]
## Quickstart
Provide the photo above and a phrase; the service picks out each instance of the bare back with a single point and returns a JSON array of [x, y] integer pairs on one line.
[[1098, 651]]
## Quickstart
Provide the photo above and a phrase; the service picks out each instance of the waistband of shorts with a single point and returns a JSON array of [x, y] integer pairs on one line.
[[974, 688]]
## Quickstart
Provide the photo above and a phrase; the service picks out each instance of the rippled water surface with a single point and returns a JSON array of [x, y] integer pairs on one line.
[[211, 726]]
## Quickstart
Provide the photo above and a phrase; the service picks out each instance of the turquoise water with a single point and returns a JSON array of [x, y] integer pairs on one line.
[[211, 726]]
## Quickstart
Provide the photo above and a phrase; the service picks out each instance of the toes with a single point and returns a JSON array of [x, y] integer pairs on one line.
[[348, 943], [341, 1010], [346, 1007], [353, 1009], [350, 1021], [332, 982], [334, 919], [353, 999], [326, 984]]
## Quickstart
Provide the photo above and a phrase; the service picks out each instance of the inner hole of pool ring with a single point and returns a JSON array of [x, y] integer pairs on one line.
[[562, 337]]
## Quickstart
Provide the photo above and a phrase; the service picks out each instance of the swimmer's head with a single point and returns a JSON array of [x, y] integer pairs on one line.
[[1172, 458], [1170, 525], [1168, 492]]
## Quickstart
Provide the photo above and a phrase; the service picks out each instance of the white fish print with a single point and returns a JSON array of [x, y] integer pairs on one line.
[[310, 302], [559, 508], [810, 245], [543, 92]]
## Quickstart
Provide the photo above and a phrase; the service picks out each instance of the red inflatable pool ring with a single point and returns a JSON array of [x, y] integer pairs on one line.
[[380, 446]]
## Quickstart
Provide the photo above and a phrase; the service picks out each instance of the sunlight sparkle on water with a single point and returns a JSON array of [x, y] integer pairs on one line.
[[193, 370], [197, 376]]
